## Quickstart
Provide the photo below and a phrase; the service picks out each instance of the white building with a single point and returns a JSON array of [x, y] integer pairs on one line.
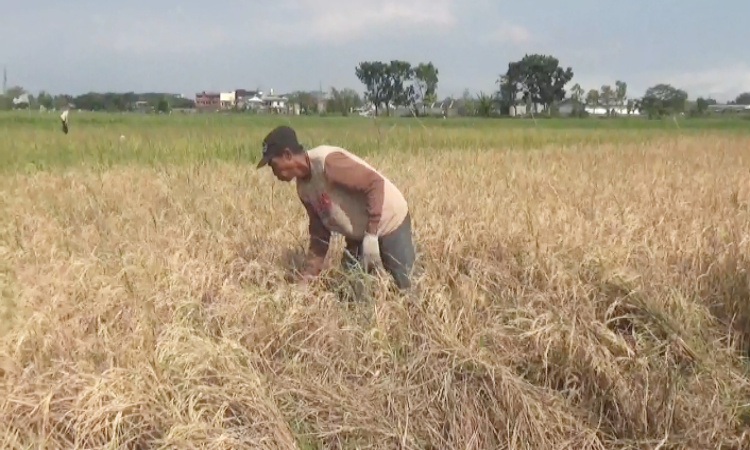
[[277, 103], [227, 99]]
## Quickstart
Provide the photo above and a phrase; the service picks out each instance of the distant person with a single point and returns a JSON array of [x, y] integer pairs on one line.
[[344, 194], [64, 119]]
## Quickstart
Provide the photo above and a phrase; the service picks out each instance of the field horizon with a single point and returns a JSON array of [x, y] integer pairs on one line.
[[583, 285]]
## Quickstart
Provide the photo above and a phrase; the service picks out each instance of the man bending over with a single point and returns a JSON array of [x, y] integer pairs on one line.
[[344, 194]]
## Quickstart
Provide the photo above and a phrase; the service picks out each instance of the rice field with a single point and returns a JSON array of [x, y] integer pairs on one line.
[[583, 284]]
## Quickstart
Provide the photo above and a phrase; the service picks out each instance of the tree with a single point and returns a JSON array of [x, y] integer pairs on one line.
[[577, 96], [607, 98], [425, 81], [376, 78], [637, 104], [621, 92], [592, 98], [663, 99], [162, 106], [468, 106], [540, 79], [576, 93], [510, 88], [400, 90], [743, 99], [396, 83], [183, 103], [484, 105], [14, 92], [701, 105], [307, 101], [63, 101], [343, 101]]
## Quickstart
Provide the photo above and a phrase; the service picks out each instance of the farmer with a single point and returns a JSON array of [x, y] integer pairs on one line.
[[64, 120], [344, 194]]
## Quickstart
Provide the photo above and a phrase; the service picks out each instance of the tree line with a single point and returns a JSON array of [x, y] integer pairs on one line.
[[397, 83], [94, 101], [535, 83], [338, 102]]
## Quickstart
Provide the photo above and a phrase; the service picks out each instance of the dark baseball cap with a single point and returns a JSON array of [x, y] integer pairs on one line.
[[280, 138]]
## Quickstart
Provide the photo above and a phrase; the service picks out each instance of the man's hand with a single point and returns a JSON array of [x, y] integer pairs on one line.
[[302, 283], [370, 252], [305, 279], [294, 277]]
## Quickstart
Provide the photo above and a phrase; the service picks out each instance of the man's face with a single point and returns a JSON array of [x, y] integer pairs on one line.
[[282, 167]]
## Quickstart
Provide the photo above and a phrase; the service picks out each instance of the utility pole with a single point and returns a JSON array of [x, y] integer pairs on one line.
[[5, 80]]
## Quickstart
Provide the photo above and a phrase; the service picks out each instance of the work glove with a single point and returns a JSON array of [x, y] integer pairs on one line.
[[370, 252]]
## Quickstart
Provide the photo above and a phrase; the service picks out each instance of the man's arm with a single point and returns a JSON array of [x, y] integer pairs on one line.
[[320, 237], [345, 171]]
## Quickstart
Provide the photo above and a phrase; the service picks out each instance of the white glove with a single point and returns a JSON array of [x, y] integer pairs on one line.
[[370, 252]]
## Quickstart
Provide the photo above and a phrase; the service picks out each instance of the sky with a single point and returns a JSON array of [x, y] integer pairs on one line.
[[189, 46]]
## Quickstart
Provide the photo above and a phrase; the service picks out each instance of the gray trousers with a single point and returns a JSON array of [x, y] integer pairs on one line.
[[396, 253]]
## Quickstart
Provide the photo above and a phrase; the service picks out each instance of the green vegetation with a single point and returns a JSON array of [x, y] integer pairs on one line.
[[32, 140]]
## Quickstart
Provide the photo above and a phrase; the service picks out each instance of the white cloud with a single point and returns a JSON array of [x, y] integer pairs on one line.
[[509, 33], [723, 83], [340, 21], [288, 23], [155, 35], [590, 81]]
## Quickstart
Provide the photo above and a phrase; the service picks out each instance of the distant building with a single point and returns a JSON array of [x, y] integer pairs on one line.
[[227, 100], [242, 99], [22, 101], [321, 100], [726, 108], [207, 101], [142, 106], [247, 99], [274, 103], [241, 94]]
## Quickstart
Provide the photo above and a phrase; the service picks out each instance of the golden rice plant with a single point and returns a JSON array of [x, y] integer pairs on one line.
[[580, 287]]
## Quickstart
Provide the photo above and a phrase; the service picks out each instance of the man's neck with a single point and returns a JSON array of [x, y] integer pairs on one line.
[[304, 166]]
